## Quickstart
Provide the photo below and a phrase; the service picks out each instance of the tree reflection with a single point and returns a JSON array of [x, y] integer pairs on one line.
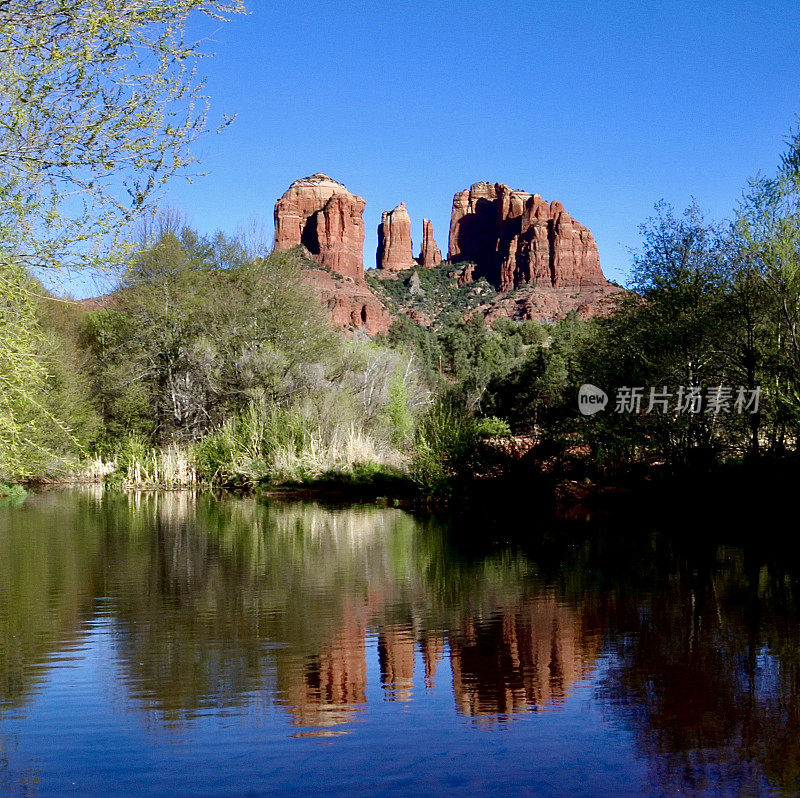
[[706, 671], [217, 603], [50, 564]]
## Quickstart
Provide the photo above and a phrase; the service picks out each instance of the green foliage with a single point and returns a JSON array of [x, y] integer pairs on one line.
[[214, 457], [522, 333], [491, 427], [398, 414], [287, 444], [421, 342], [714, 306], [445, 448], [22, 378], [46, 414], [433, 293], [535, 391], [131, 453], [99, 103], [670, 333], [12, 494], [268, 393], [767, 288], [474, 355], [172, 361]]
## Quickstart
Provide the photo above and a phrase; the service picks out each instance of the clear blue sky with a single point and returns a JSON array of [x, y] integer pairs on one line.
[[607, 106]]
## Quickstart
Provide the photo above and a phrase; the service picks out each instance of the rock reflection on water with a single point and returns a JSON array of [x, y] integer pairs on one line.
[[525, 658], [214, 601], [220, 604], [327, 688]]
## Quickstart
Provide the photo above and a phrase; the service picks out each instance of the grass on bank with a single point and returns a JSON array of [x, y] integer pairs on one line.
[[290, 447], [263, 445]]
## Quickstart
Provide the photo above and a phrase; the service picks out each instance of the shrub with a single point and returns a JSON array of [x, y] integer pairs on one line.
[[138, 464], [213, 457], [398, 416], [296, 443], [445, 449], [491, 427]]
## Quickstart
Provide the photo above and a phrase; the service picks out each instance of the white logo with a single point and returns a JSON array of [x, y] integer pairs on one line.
[[591, 399]]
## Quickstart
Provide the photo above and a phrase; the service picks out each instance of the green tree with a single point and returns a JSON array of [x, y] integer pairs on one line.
[[665, 334], [475, 355], [99, 104], [173, 360], [46, 414], [398, 415], [768, 252], [537, 393]]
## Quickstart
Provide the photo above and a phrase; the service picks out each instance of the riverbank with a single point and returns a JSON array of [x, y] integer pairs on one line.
[[733, 493]]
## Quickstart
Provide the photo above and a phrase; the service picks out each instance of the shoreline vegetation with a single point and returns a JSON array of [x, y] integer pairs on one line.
[[212, 367], [213, 364], [746, 501]]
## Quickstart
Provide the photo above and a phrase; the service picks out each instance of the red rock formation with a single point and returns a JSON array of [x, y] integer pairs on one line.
[[327, 219], [430, 255], [394, 240], [466, 275], [548, 304], [99, 302], [350, 305], [514, 238], [473, 225]]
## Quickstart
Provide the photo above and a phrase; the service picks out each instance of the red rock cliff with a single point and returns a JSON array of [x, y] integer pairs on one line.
[[322, 215], [430, 255], [515, 238], [394, 240]]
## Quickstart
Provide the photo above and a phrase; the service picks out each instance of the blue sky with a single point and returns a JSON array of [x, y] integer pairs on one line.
[[607, 106]]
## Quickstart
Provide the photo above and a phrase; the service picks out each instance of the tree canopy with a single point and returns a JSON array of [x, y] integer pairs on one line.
[[100, 101]]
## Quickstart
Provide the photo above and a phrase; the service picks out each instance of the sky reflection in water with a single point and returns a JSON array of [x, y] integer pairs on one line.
[[169, 642]]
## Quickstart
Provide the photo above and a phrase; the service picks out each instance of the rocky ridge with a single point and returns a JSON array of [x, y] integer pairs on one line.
[[517, 238], [529, 259]]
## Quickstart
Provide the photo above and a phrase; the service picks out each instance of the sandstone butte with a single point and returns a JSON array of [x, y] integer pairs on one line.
[[320, 214], [394, 240], [543, 262], [517, 238], [430, 255], [323, 216]]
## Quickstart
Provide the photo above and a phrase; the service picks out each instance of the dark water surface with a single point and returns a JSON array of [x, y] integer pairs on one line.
[[168, 643]]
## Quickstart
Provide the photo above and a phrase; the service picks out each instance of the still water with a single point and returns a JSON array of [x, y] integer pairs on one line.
[[172, 643]]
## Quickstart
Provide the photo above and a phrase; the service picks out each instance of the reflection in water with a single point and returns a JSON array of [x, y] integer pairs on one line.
[[708, 673], [329, 687], [221, 604], [396, 652], [526, 657]]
